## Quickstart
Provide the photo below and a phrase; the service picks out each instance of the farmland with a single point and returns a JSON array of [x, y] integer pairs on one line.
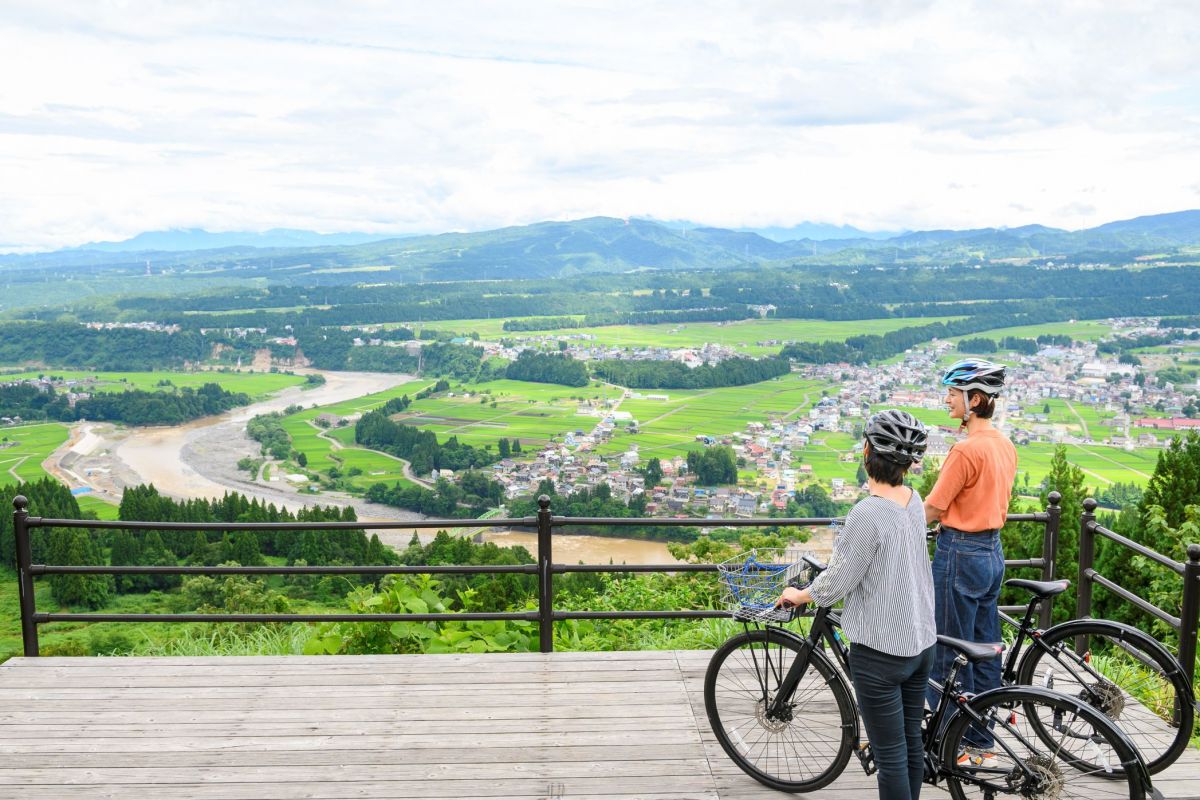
[[22, 461], [743, 335]]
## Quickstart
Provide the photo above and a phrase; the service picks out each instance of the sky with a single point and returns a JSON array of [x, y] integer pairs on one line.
[[414, 117]]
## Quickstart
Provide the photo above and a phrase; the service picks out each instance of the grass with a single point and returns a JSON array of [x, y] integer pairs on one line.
[[101, 509], [256, 384], [318, 444], [34, 444], [1083, 330], [669, 427], [746, 336]]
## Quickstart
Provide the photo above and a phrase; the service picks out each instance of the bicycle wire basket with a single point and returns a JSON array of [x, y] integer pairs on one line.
[[751, 583]]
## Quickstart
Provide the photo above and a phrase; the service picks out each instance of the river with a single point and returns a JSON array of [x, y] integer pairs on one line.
[[573, 548], [198, 460]]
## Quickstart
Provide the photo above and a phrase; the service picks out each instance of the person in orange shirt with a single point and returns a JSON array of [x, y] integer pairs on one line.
[[970, 500]]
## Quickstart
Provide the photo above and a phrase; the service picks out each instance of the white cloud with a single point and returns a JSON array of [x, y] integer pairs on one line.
[[126, 117]]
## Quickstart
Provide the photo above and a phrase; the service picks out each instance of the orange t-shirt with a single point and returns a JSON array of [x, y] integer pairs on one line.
[[976, 481]]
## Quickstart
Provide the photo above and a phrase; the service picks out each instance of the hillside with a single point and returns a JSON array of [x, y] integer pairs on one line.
[[587, 246]]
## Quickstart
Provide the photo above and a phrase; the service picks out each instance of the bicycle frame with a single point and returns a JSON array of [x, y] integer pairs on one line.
[[1027, 631], [824, 631]]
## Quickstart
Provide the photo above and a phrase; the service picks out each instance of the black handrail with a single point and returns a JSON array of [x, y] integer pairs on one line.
[[545, 569], [1185, 624]]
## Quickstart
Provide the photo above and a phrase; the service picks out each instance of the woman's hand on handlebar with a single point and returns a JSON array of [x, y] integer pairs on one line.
[[792, 597]]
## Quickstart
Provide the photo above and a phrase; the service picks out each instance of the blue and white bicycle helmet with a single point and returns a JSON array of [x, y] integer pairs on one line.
[[975, 373]]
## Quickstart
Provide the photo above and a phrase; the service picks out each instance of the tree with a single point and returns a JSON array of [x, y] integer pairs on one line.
[[1066, 479], [503, 448], [860, 477], [654, 472], [302, 458], [84, 591]]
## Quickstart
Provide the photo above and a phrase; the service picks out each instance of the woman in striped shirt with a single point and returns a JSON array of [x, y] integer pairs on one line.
[[880, 566]]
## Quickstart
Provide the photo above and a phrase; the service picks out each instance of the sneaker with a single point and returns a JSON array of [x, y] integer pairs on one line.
[[977, 757]]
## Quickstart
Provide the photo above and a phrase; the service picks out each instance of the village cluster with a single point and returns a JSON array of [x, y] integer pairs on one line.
[[772, 450]]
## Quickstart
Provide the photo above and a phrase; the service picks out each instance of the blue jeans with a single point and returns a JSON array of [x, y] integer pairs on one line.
[[968, 572], [891, 699]]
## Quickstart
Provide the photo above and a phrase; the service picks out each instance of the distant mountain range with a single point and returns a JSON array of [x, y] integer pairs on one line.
[[179, 240], [603, 244]]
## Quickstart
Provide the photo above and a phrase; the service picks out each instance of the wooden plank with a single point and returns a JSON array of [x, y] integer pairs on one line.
[[524, 725], [355, 773], [633, 750], [33, 744], [567, 789]]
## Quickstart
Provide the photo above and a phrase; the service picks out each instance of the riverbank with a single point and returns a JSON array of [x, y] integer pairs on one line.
[[198, 460]]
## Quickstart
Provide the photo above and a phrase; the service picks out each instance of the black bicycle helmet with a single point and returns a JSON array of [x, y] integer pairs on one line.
[[975, 373], [897, 436]]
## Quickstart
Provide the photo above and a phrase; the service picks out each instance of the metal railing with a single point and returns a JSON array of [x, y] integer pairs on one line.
[[545, 523], [1189, 612]]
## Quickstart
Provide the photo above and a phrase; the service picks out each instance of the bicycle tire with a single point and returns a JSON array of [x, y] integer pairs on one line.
[[1115, 688], [1083, 763], [803, 753]]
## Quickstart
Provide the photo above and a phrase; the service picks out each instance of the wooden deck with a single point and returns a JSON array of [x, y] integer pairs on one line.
[[566, 725]]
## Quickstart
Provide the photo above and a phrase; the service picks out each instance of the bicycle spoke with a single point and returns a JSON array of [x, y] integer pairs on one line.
[[804, 742], [1068, 756]]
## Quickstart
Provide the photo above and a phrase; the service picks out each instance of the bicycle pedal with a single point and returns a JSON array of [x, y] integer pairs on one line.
[[866, 758]]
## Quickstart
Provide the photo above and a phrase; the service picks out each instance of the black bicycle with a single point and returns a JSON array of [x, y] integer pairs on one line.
[[784, 713], [1123, 672]]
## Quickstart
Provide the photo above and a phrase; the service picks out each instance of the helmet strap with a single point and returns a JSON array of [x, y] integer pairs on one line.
[[966, 407]]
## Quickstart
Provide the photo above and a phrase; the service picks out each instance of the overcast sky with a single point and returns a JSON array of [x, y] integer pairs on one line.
[[123, 117]]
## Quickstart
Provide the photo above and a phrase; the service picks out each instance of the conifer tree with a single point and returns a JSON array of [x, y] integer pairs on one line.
[[79, 590]]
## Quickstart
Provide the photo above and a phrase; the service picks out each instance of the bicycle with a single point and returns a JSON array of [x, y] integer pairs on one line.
[[1113, 676], [786, 716]]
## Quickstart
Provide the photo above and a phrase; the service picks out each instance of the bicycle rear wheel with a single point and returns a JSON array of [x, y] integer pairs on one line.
[[1125, 674], [1088, 758], [808, 744]]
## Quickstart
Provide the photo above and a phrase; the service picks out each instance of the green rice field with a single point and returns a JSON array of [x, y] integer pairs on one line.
[[334, 447], [1086, 330], [531, 412], [669, 427], [743, 335], [256, 384], [32, 444]]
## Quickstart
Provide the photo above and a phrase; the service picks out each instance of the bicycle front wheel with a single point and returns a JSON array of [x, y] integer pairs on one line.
[[1125, 674], [806, 744], [1001, 754]]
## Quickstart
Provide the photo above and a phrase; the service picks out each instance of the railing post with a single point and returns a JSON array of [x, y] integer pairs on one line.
[[1050, 552], [29, 635], [1087, 559], [545, 577], [1189, 614]]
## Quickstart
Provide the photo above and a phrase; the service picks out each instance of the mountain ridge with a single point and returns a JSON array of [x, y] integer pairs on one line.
[[557, 248]]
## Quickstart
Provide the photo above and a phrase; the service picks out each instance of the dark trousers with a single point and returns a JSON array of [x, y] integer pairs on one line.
[[891, 699], [968, 573]]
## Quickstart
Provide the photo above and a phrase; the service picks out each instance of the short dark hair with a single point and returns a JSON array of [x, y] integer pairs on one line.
[[882, 469], [987, 404]]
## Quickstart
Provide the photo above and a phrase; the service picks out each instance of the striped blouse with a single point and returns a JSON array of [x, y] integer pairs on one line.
[[880, 565]]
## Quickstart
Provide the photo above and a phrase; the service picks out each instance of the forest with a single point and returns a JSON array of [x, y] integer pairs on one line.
[[418, 447], [132, 407], [547, 368], [674, 375]]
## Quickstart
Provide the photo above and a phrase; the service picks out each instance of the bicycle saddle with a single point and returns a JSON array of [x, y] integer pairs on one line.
[[1041, 589], [974, 651]]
